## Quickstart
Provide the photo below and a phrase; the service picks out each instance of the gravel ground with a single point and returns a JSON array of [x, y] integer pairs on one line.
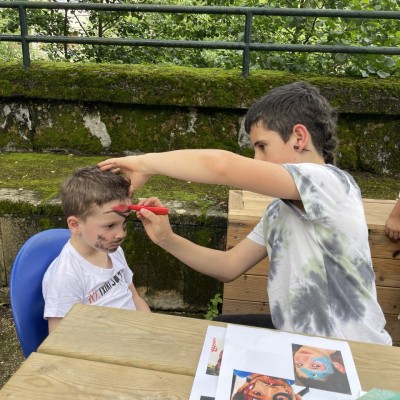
[[11, 355]]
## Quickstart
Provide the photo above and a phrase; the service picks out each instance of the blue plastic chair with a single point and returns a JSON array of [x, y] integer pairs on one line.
[[27, 303]]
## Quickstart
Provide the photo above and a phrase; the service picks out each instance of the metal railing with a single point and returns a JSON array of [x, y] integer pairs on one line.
[[246, 45]]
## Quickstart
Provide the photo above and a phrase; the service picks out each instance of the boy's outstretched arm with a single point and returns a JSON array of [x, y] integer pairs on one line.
[[393, 223], [222, 265], [208, 166]]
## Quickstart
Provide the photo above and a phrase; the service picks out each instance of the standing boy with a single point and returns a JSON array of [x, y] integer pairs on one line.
[[321, 280], [91, 268]]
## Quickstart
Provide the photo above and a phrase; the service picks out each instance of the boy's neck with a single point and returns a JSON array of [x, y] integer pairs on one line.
[[312, 157], [96, 257]]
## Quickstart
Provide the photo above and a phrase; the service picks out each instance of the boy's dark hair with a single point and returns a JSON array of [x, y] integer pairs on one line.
[[89, 186], [298, 103]]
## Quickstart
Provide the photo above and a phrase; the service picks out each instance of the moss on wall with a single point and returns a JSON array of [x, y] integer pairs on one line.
[[184, 87], [114, 109], [370, 143]]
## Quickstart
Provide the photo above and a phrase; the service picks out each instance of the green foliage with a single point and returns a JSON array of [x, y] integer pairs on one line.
[[213, 307], [227, 28], [9, 51]]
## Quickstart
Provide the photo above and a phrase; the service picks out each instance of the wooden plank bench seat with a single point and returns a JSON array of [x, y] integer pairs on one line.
[[248, 293]]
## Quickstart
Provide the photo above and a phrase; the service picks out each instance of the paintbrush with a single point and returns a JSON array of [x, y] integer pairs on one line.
[[123, 208]]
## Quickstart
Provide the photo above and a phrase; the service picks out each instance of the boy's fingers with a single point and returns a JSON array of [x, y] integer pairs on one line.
[[108, 168], [108, 164], [151, 201], [392, 235], [147, 214]]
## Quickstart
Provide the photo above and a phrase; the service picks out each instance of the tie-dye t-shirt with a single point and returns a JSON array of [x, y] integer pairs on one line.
[[321, 280]]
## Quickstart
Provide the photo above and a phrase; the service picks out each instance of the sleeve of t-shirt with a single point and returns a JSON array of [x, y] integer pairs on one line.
[[60, 291], [323, 189], [257, 234]]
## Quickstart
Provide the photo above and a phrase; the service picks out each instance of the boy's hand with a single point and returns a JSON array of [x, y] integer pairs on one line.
[[130, 166], [157, 227], [393, 228]]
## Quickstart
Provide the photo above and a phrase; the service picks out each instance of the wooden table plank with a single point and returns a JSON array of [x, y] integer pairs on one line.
[[254, 288], [43, 376], [173, 344], [127, 338], [248, 206], [378, 366], [377, 211], [387, 272]]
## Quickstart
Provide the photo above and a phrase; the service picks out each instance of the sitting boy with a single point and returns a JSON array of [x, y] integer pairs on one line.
[[91, 268]]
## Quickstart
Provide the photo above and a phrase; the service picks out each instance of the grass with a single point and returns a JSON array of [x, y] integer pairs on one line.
[[43, 174]]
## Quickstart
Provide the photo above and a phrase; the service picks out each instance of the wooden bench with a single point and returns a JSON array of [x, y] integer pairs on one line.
[[248, 293]]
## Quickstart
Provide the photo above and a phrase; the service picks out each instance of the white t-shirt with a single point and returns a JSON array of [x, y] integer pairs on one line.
[[71, 279], [321, 279]]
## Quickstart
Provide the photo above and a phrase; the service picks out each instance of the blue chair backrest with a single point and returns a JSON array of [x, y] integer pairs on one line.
[[27, 303]]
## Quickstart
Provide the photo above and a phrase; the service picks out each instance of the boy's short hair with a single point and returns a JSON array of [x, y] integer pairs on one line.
[[298, 103], [89, 186]]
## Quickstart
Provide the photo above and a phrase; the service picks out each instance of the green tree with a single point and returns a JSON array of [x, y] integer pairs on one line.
[[195, 27]]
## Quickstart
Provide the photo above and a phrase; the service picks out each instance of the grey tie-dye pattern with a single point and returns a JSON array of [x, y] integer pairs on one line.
[[274, 238], [343, 285], [366, 273], [310, 300], [277, 315], [321, 279]]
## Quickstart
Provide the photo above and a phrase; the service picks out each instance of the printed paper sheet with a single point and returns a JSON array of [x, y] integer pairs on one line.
[[260, 363], [206, 379]]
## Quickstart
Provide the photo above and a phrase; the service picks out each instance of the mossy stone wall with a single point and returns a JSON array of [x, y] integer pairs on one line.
[[115, 109]]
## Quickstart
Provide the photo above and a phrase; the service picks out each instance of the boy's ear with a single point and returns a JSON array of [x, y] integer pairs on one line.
[[301, 136], [339, 367], [74, 224]]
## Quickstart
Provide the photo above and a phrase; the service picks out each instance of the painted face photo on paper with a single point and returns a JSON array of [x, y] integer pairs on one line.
[[320, 368], [254, 386]]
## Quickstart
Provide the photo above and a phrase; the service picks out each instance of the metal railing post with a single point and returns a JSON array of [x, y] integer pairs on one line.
[[24, 33], [247, 40]]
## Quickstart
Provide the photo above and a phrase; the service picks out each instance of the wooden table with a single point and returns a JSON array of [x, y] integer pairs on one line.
[[105, 353]]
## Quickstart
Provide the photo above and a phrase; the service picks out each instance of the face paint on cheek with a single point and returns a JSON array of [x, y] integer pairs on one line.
[[99, 244], [317, 374]]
